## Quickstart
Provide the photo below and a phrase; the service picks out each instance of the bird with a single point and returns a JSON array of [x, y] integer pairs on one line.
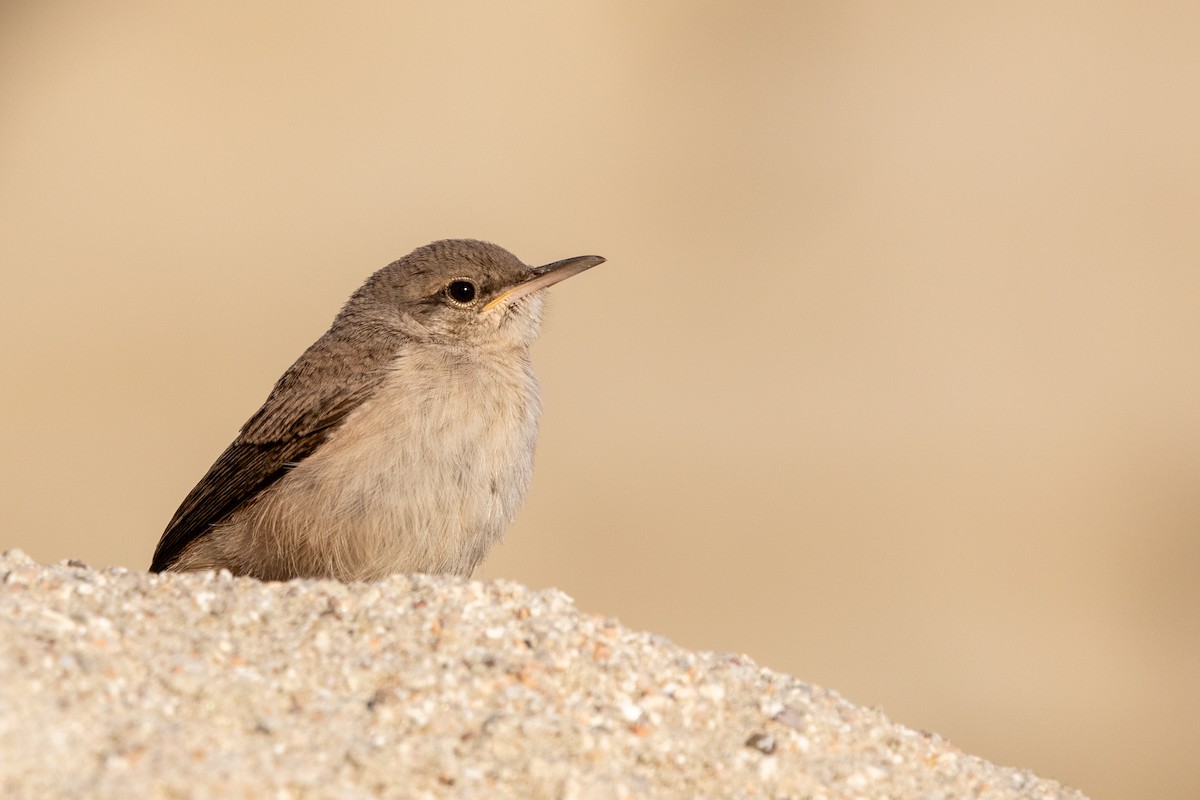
[[401, 441]]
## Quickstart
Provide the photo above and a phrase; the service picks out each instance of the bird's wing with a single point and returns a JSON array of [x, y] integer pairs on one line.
[[313, 397]]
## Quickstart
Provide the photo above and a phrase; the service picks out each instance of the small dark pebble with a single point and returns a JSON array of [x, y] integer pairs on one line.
[[762, 742]]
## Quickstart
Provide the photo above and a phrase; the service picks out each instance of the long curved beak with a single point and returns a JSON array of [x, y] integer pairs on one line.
[[545, 276]]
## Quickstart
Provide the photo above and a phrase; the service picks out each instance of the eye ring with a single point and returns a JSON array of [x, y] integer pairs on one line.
[[462, 291]]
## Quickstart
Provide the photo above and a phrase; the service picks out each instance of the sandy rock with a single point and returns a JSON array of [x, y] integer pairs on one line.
[[117, 684]]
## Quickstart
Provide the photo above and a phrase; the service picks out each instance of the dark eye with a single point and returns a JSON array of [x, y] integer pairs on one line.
[[461, 291]]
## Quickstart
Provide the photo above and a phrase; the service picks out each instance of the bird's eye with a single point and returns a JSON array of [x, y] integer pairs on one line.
[[461, 291]]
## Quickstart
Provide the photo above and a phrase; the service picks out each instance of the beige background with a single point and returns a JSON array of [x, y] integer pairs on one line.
[[890, 382]]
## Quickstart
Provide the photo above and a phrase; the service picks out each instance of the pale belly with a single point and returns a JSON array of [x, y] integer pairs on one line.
[[424, 477]]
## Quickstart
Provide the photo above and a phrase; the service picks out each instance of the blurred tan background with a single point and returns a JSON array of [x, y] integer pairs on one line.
[[891, 380]]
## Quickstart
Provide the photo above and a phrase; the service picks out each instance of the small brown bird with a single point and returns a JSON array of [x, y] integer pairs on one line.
[[401, 441]]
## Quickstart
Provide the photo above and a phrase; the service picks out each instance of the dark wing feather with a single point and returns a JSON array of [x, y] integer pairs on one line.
[[336, 375]]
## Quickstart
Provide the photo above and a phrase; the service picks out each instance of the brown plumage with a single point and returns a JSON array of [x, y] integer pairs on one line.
[[400, 441]]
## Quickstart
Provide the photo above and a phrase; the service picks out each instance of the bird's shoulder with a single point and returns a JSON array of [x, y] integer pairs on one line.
[[336, 375]]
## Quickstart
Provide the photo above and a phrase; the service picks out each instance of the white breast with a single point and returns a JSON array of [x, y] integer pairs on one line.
[[423, 477]]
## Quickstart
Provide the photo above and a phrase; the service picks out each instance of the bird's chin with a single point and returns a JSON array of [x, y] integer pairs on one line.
[[521, 321]]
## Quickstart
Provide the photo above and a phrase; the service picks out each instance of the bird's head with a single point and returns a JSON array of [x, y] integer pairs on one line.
[[461, 292]]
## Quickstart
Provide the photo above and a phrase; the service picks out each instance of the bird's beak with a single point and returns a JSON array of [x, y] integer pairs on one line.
[[543, 277]]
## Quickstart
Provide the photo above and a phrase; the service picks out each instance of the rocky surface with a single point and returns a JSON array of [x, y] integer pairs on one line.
[[117, 684]]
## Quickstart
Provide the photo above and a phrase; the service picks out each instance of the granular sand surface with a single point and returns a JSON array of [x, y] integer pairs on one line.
[[119, 684]]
